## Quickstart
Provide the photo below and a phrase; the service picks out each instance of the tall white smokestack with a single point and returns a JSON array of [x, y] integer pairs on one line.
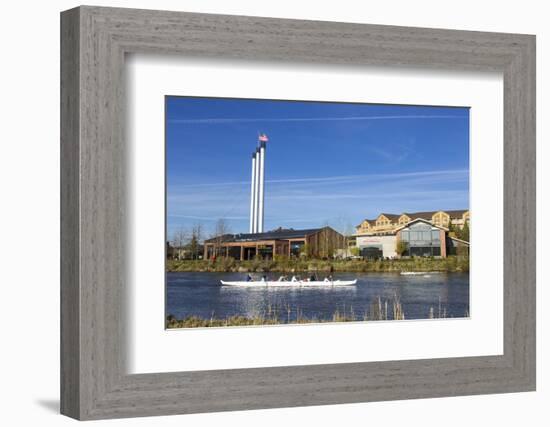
[[261, 189], [252, 194], [256, 191]]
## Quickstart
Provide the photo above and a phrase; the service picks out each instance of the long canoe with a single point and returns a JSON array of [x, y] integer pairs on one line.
[[290, 284]]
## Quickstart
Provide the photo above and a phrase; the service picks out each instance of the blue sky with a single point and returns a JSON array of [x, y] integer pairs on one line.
[[326, 163]]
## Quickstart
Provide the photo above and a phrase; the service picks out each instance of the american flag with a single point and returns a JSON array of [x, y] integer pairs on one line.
[[263, 137]]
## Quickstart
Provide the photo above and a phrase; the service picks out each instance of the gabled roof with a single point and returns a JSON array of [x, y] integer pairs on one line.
[[424, 215], [370, 221], [390, 216], [456, 213], [425, 221]]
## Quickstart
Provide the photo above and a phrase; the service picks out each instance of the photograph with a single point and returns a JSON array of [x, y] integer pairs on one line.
[[294, 212]]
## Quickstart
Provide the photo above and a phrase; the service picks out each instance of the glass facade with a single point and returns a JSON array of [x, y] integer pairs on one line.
[[234, 252], [421, 240]]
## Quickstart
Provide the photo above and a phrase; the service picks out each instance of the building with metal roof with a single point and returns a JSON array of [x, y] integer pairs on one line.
[[322, 242]]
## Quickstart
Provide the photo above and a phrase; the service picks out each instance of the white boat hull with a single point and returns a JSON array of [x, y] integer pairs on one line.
[[418, 273], [297, 284]]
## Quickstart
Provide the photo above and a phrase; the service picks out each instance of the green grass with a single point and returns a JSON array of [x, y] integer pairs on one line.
[[290, 265]]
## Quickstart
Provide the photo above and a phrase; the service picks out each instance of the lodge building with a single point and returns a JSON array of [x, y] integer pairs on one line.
[[425, 234], [316, 242], [390, 222]]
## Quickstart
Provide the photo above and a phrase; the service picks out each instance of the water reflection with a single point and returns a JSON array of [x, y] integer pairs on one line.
[[200, 294]]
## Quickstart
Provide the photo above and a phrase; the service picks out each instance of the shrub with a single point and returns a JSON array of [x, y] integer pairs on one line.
[[401, 247]]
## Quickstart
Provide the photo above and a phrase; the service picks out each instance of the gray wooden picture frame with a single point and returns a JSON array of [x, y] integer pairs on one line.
[[94, 382]]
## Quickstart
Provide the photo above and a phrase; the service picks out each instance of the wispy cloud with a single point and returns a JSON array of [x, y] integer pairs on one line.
[[398, 152], [228, 120], [457, 173], [328, 196], [351, 178], [313, 201]]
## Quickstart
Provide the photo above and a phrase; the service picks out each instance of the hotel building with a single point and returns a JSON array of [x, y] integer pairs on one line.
[[425, 233]]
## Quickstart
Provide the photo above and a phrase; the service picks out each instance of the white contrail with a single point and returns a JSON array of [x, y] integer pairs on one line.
[[207, 218], [336, 178], [308, 119]]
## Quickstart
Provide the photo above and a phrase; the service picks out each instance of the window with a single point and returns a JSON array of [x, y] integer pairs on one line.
[[266, 252], [420, 226], [371, 252], [426, 236], [234, 252], [422, 240]]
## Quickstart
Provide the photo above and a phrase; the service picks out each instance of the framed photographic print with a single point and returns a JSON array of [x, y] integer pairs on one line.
[[278, 232], [297, 212]]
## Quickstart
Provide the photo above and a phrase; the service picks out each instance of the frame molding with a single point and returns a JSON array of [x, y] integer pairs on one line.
[[94, 41]]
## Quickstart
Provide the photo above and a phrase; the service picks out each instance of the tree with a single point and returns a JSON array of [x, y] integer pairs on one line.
[[305, 250], [453, 229], [220, 230], [347, 231], [401, 247], [464, 233], [355, 251], [196, 237], [179, 238]]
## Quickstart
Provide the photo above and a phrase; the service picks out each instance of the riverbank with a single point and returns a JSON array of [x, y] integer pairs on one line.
[[276, 315], [287, 265]]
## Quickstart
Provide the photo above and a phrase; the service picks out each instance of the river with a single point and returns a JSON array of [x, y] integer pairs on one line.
[[421, 297]]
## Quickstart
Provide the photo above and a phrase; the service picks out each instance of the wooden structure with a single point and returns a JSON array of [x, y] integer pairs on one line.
[[316, 242]]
